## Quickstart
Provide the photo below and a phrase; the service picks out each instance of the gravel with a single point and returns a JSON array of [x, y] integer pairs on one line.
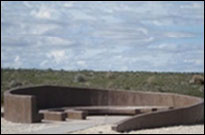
[[13, 128], [106, 129]]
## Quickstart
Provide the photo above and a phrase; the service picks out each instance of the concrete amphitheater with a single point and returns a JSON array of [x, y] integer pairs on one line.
[[148, 109]]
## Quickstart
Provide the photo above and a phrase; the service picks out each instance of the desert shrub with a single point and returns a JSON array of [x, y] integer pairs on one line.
[[79, 78], [197, 79], [14, 83], [127, 87], [110, 75], [201, 89], [151, 80]]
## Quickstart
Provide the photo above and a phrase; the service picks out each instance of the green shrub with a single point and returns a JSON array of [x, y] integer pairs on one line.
[[79, 78]]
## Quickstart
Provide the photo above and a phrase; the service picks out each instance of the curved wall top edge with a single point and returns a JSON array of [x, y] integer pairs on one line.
[[100, 89], [114, 96]]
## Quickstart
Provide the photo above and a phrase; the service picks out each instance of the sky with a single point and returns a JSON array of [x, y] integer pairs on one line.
[[103, 36]]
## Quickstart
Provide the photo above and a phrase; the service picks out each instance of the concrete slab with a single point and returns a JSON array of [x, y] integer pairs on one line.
[[76, 125]]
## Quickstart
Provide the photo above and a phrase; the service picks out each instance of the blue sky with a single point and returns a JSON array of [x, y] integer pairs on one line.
[[119, 36]]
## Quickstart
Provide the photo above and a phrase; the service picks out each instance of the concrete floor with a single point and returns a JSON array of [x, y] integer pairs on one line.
[[70, 126]]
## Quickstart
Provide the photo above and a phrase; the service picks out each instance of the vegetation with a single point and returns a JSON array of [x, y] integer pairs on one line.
[[143, 81]]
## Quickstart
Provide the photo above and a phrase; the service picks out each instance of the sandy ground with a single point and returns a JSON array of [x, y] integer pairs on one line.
[[13, 128], [106, 129], [51, 127]]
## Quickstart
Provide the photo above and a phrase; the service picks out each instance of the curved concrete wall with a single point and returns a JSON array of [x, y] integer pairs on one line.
[[180, 116], [23, 104]]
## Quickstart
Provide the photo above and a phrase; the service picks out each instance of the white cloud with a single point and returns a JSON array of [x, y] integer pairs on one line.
[[153, 9], [159, 22], [102, 35], [164, 46], [149, 39], [80, 15], [110, 19], [17, 59], [36, 29], [123, 33], [17, 62], [58, 56], [27, 4], [44, 63], [142, 30], [194, 61], [193, 6], [81, 63], [92, 52], [178, 35], [42, 13], [57, 41], [69, 4]]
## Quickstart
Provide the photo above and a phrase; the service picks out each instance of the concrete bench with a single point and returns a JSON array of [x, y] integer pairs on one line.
[[109, 111], [53, 115], [81, 112], [120, 110], [74, 114]]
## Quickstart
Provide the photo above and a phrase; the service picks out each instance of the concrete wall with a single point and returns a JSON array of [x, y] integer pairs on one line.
[[53, 96], [181, 116], [20, 108], [22, 105]]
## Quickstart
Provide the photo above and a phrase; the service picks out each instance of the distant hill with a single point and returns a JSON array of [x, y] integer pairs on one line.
[[143, 81]]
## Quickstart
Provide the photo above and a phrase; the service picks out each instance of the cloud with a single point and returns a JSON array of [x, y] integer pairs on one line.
[[54, 41], [69, 4], [124, 35], [58, 56], [159, 21], [81, 62], [44, 63], [194, 61], [193, 6], [178, 35], [42, 13], [163, 46], [79, 15], [17, 61]]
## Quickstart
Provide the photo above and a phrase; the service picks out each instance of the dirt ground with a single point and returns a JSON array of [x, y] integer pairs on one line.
[[106, 129]]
